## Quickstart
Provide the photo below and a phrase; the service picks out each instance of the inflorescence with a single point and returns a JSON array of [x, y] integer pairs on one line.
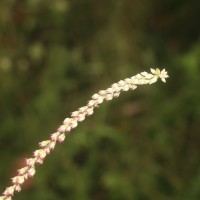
[[70, 123]]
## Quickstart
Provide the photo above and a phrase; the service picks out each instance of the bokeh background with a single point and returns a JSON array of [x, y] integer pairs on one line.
[[55, 54]]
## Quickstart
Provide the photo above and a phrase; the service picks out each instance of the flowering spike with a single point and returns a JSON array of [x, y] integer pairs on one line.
[[78, 116]]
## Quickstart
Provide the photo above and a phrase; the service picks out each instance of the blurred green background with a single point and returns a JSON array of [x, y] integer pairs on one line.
[[55, 54]]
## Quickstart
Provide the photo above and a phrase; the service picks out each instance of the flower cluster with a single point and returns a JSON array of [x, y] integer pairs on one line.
[[70, 123]]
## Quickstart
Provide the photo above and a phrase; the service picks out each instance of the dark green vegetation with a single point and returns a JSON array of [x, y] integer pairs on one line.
[[55, 54]]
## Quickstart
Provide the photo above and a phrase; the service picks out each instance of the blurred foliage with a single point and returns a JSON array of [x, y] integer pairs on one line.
[[55, 54]]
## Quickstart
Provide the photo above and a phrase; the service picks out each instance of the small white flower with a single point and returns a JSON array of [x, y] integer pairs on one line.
[[9, 191], [40, 154], [128, 80], [163, 75], [83, 109], [153, 71], [100, 100], [74, 124], [121, 83], [149, 76], [47, 150], [75, 114], [22, 170], [135, 81], [91, 103], [54, 136], [109, 97], [144, 74], [115, 87], [133, 87], [44, 143], [90, 111], [25, 176], [52, 145], [102, 92], [125, 88], [39, 161], [110, 90], [67, 121], [95, 96], [139, 76], [81, 117], [18, 188], [116, 94], [30, 162], [31, 172], [61, 129], [68, 128], [153, 80], [18, 180], [61, 138], [160, 74], [141, 81]]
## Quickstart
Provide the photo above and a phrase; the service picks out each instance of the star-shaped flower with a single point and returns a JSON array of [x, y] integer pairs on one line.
[[160, 74]]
